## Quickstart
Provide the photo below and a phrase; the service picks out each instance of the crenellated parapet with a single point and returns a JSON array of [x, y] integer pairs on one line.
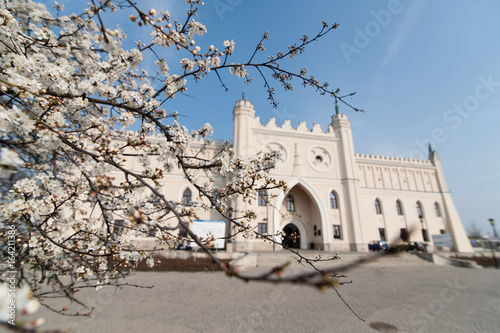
[[212, 143], [377, 158], [396, 173], [287, 127], [243, 103], [340, 116]]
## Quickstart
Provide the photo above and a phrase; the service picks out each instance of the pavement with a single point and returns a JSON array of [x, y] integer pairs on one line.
[[391, 294]]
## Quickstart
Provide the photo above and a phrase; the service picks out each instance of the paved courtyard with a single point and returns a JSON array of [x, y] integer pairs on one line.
[[411, 295]]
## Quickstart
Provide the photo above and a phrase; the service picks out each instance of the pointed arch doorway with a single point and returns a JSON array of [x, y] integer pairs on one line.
[[301, 211]]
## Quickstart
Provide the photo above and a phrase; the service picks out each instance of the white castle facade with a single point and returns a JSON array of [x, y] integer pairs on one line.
[[336, 200]]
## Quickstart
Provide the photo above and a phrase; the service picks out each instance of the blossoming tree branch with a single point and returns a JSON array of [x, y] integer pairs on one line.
[[70, 95]]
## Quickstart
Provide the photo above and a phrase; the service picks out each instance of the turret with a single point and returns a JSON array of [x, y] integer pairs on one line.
[[243, 118], [453, 222], [349, 178]]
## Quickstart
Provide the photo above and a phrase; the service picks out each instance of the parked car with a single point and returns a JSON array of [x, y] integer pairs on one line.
[[377, 245], [412, 246], [420, 247]]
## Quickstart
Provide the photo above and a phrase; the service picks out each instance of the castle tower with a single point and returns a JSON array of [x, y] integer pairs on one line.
[[243, 145], [454, 224], [243, 119], [349, 179]]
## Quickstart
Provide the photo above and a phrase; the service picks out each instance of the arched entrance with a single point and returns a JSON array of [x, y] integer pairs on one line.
[[300, 211], [291, 237]]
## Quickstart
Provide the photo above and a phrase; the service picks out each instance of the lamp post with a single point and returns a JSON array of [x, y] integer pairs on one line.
[[492, 222], [425, 236], [493, 244]]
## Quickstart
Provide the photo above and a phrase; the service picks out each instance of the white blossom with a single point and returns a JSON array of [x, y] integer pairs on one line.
[[229, 45]]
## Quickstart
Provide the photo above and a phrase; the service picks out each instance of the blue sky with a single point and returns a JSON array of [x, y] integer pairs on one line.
[[423, 71]]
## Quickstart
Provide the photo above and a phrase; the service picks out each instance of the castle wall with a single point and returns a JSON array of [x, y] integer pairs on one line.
[[317, 163], [326, 162]]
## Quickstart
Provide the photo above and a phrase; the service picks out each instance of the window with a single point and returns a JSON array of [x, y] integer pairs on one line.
[[186, 198], [404, 235], [378, 208], [262, 198], [425, 235], [290, 204], [381, 232], [183, 229], [336, 232], [262, 228], [334, 204], [399, 207], [118, 228], [151, 232], [442, 231], [437, 209], [420, 212]]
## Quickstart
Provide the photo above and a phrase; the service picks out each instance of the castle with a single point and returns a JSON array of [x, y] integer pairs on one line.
[[337, 200]]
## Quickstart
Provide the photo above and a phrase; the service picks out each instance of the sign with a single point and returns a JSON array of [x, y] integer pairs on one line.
[[206, 229], [442, 240]]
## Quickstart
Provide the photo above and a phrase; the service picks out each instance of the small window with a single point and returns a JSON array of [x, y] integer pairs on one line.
[[319, 159], [118, 228], [183, 229], [334, 204], [290, 204], [262, 198], [437, 209], [399, 208], [151, 232], [404, 234], [317, 232], [381, 232], [262, 228], [186, 198], [442, 231], [336, 232], [425, 235], [420, 212], [378, 207]]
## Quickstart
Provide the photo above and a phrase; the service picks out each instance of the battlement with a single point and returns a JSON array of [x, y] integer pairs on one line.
[[288, 128], [212, 142], [245, 103], [368, 157], [339, 116], [245, 108]]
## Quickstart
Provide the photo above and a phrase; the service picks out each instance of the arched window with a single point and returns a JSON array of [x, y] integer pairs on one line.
[[399, 207], [437, 209], [262, 198], [334, 203], [420, 211], [290, 204], [186, 198], [378, 207]]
